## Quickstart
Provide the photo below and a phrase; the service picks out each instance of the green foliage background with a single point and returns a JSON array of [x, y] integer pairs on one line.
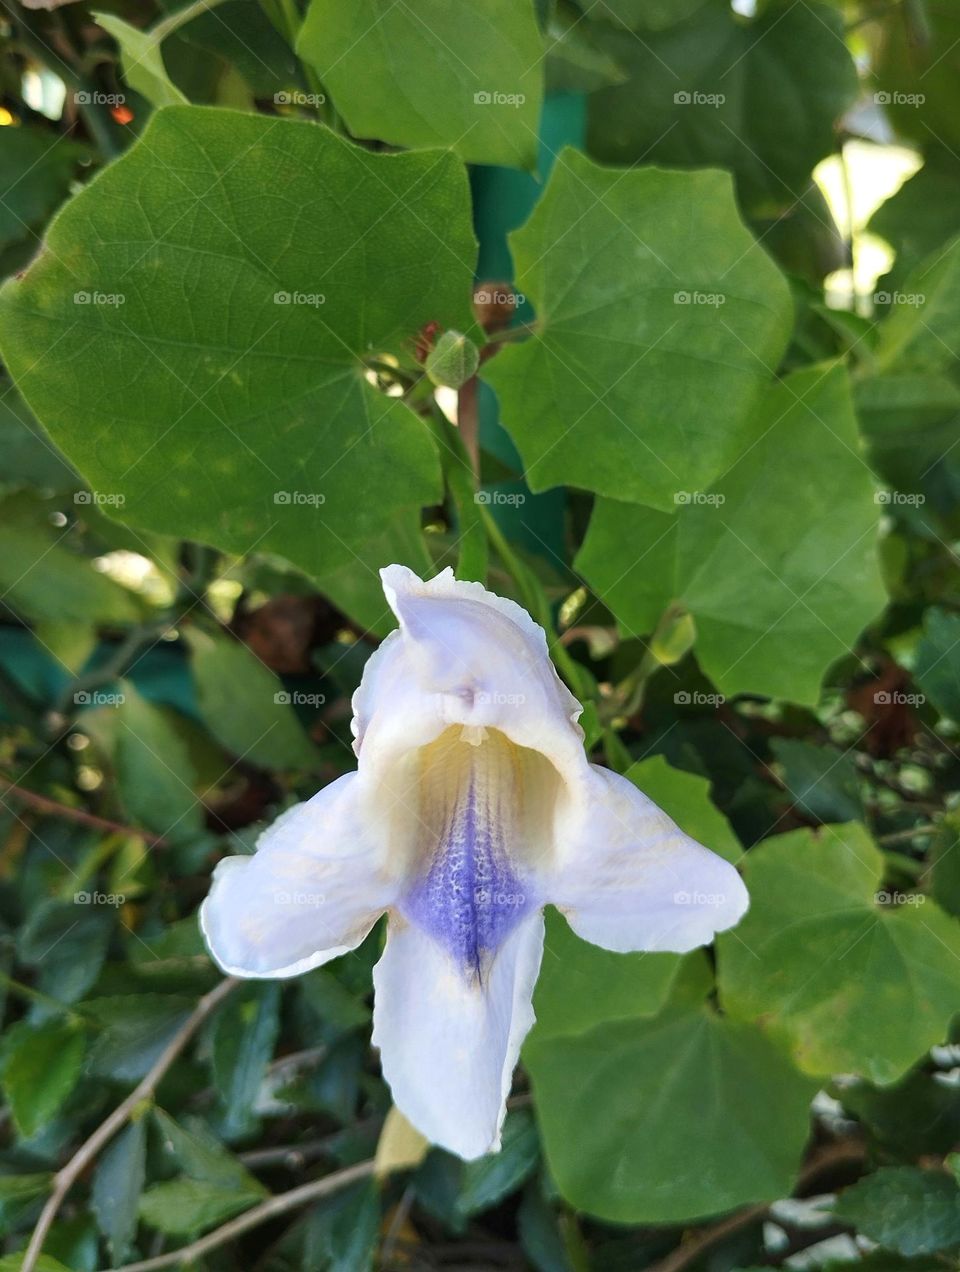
[[707, 447]]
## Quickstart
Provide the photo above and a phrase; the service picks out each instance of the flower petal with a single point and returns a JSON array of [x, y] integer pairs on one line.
[[462, 656], [312, 891], [630, 879], [448, 1041]]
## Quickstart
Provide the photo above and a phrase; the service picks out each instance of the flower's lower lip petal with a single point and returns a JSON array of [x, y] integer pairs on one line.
[[449, 1039], [311, 892], [632, 880]]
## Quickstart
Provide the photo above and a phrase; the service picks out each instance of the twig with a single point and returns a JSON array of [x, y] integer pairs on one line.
[[269, 1209], [64, 1180], [691, 1250], [54, 808], [904, 836], [843, 1153]]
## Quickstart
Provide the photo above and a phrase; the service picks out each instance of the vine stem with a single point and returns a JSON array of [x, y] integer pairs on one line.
[[53, 808], [535, 603], [268, 1209], [64, 1179], [829, 1157]]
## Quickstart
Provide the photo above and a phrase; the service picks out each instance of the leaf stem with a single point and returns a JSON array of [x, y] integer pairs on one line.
[[174, 21], [472, 561], [268, 1209], [64, 1179], [904, 836], [536, 603], [53, 808]]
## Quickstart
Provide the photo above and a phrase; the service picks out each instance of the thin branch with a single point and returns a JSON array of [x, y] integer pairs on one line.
[[64, 1179], [831, 1156], [268, 1209], [904, 836], [53, 808]]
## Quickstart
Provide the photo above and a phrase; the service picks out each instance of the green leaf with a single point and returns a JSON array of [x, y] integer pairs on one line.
[[117, 1185], [67, 943], [37, 167], [699, 1114], [905, 1209], [909, 422], [187, 1207], [135, 1028], [243, 1037], [776, 562], [581, 985], [242, 35], [47, 583], [29, 456], [921, 331], [686, 798], [341, 1234], [717, 90], [14, 1262], [245, 706], [850, 984], [468, 77], [338, 1009], [659, 320], [821, 781], [39, 1068], [920, 216], [203, 1158], [154, 772], [937, 665], [915, 68], [234, 418], [488, 1180], [654, 15], [142, 61], [16, 1192]]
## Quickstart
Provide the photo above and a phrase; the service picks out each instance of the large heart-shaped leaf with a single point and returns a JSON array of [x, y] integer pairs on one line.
[[659, 320], [724, 1109], [226, 279], [776, 562], [433, 74], [852, 982], [718, 90]]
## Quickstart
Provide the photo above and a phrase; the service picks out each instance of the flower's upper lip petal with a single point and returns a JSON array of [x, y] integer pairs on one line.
[[449, 1042], [630, 879], [312, 890], [462, 656]]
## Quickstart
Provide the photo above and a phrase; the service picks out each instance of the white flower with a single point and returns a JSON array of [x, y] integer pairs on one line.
[[472, 806]]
